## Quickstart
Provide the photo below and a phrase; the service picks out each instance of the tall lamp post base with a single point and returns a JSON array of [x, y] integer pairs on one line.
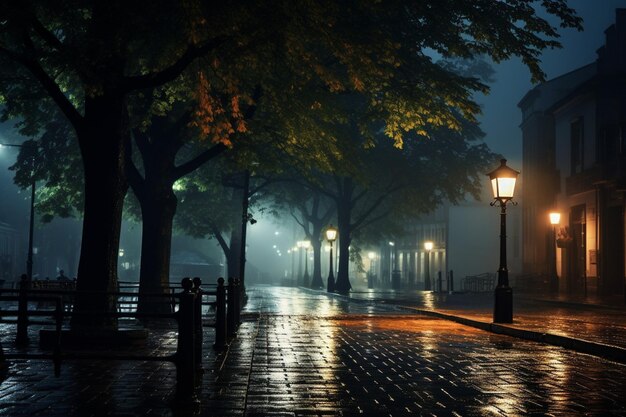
[[503, 305]]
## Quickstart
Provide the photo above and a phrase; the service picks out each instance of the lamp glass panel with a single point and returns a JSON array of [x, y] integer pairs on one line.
[[505, 187], [555, 218]]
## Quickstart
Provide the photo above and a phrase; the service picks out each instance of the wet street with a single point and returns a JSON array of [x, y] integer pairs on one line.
[[302, 353]]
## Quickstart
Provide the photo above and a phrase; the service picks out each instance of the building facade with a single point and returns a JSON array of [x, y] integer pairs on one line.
[[574, 163]]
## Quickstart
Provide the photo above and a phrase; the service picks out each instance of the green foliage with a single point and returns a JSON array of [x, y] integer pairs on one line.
[[205, 205], [52, 160], [315, 73]]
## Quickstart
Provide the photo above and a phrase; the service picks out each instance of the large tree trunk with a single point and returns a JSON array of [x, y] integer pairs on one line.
[[233, 255], [316, 281], [102, 146], [344, 217], [157, 213]]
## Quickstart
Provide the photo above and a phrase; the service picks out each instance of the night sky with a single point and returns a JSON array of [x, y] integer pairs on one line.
[[501, 116]]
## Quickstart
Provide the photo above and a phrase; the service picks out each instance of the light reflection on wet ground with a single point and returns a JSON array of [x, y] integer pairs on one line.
[[603, 325], [392, 364], [300, 353]]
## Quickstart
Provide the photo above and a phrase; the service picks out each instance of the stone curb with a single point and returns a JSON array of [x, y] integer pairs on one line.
[[614, 353]]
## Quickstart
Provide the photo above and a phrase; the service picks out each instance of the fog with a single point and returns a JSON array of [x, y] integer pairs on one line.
[[270, 240]]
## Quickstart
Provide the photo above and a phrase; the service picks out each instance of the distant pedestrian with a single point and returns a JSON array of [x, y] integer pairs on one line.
[[62, 276]]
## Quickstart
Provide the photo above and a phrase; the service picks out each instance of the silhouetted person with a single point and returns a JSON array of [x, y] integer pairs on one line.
[[62, 276]]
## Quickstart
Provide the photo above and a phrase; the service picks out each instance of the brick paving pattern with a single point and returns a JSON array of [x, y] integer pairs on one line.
[[304, 354]]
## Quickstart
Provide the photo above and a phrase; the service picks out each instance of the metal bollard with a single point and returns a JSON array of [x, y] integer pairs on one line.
[[231, 316], [197, 320], [220, 315], [238, 302], [21, 338], [439, 283], [56, 354], [451, 287], [185, 353]]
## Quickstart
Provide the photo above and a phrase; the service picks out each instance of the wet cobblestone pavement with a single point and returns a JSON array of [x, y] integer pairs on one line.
[[300, 353], [596, 323]]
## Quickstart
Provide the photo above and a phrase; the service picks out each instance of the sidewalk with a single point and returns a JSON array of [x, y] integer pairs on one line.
[[597, 329], [304, 353]]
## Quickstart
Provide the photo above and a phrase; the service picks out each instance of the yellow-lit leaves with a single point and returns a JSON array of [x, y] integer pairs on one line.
[[219, 116]]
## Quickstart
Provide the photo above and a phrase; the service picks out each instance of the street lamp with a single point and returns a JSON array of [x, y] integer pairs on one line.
[[331, 236], [428, 245], [555, 219], [29, 258], [503, 181], [306, 244]]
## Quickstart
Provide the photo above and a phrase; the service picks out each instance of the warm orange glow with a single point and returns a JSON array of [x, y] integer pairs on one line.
[[555, 218], [503, 181], [428, 245], [331, 233], [408, 324]]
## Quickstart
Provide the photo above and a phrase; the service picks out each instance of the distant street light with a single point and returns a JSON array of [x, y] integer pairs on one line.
[[503, 181], [29, 258], [428, 245], [555, 219], [331, 236]]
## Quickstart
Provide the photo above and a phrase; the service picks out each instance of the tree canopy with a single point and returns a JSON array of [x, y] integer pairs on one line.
[[90, 61]]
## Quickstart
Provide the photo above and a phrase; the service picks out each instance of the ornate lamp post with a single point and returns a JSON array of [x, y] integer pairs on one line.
[[555, 219], [428, 245], [503, 181], [331, 236]]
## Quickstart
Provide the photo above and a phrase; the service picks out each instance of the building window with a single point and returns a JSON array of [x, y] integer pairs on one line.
[[577, 145]]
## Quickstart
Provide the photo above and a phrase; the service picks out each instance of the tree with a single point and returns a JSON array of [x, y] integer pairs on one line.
[[382, 180], [89, 59], [310, 209], [159, 146], [211, 206]]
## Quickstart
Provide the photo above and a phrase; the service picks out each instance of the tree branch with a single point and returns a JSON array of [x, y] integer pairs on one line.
[[196, 162], [215, 231], [47, 36], [371, 209], [259, 187], [66, 107], [156, 79]]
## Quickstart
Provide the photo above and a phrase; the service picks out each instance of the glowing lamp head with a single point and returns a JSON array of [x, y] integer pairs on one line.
[[306, 244], [503, 181], [555, 218], [428, 245], [331, 233], [371, 255]]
